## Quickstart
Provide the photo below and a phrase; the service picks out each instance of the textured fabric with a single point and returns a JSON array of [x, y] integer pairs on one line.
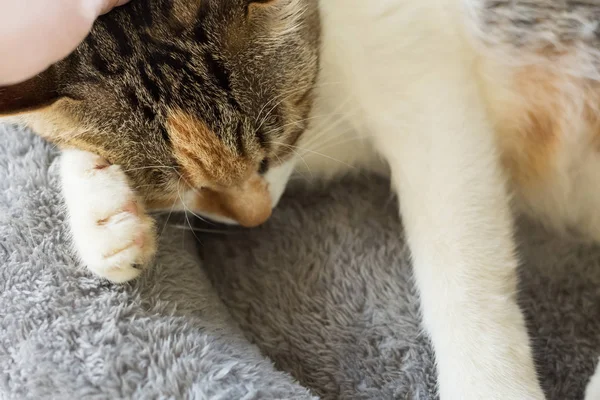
[[321, 295], [65, 334]]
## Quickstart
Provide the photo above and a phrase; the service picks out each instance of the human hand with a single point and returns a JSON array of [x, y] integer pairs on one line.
[[35, 34], [107, 5]]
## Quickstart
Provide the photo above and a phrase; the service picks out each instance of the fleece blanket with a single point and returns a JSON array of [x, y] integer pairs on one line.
[[318, 303]]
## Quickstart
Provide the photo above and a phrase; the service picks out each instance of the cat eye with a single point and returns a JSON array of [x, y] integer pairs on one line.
[[264, 167]]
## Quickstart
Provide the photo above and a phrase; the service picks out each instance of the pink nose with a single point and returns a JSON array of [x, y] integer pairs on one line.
[[250, 218], [249, 204]]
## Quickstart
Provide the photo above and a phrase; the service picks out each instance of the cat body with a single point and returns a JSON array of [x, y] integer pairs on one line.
[[470, 118], [456, 112], [542, 109], [431, 125]]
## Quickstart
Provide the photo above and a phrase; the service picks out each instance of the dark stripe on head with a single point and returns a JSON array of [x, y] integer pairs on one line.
[[168, 55], [158, 45], [136, 104], [217, 69], [214, 109], [194, 76], [98, 61], [148, 82], [233, 102], [261, 138], [115, 30], [148, 112], [132, 98], [167, 59], [166, 7], [239, 139], [165, 135], [146, 14], [199, 32]]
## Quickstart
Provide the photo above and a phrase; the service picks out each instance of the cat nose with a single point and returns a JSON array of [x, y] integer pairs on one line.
[[250, 217], [249, 205]]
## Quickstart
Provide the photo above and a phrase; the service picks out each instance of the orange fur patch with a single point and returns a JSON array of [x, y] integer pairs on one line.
[[204, 158], [531, 128], [535, 112], [228, 185]]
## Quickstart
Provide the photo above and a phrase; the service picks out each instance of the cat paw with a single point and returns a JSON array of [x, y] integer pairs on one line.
[[111, 232]]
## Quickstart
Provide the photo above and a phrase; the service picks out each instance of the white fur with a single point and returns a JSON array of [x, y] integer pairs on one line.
[[407, 85], [277, 179], [111, 232], [593, 390]]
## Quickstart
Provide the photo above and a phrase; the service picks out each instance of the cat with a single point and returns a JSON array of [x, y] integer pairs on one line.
[[473, 108]]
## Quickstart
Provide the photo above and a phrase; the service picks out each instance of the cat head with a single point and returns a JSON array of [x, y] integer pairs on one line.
[[200, 101]]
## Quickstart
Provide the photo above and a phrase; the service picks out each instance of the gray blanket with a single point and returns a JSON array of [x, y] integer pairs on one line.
[[318, 302]]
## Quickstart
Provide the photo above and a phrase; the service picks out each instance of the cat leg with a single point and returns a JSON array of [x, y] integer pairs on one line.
[[458, 223], [111, 233]]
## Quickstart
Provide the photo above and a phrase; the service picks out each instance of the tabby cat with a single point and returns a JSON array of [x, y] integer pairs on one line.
[[205, 105]]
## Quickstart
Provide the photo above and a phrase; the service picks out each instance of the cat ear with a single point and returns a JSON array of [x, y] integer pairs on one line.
[[38, 92]]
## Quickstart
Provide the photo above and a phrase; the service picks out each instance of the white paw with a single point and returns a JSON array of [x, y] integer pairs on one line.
[[593, 389], [112, 234]]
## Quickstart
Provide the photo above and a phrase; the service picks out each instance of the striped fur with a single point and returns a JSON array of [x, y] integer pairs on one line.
[[215, 61]]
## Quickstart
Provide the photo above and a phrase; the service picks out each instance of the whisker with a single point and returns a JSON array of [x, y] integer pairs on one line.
[[168, 217], [150, 167], [145, 186], [316, 153], [202, 230], [185, 208], [299, 155], [281, 100], [297, 123], [331, 123], [284, 96], [317, 141], [331, 143], [276, 98]]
